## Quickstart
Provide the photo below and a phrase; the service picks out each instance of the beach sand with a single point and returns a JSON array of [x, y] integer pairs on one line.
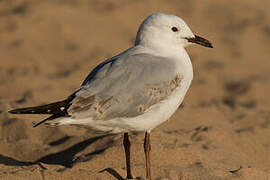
[[221, 132]]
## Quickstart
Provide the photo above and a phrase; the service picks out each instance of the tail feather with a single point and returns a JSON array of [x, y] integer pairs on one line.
[[53, 108], [47, 119], [57, 109]]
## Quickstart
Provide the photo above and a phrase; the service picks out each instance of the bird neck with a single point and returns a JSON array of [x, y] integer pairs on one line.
[[166, 50]]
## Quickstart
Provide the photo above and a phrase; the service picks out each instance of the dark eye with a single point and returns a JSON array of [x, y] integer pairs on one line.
[[174, 29]]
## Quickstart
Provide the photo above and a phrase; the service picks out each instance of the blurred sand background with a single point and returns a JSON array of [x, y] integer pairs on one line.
[[220, 133]]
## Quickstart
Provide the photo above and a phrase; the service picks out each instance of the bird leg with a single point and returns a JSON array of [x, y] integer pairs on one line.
[[126, 143], [147, 148]]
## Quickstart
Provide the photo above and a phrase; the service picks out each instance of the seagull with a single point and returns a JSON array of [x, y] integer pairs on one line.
[[134, 91]]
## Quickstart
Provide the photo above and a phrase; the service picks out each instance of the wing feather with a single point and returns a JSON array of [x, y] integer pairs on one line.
[[126, 87]]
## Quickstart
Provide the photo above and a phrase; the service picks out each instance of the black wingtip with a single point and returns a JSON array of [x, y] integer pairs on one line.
[[39, 123], [14, 111], [23, 111], [54, 116]]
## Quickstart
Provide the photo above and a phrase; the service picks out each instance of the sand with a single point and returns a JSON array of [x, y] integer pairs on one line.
[[220, 133]]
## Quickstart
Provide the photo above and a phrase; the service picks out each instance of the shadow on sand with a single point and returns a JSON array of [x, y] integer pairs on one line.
[[65, 158], [116, 175], [113, 173]]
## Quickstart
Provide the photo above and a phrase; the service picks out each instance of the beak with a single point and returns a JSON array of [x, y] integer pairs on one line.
[[200, 40]]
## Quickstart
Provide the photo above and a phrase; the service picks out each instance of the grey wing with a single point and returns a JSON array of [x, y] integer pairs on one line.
[[125, 87]]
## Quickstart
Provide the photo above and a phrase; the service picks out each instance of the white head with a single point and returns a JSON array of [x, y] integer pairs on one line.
[[164, 30]]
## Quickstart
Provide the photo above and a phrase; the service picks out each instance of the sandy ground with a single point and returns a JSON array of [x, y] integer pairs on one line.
[[220, 133]]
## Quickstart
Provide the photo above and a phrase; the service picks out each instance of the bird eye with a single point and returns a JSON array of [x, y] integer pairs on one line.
[[174, 29]]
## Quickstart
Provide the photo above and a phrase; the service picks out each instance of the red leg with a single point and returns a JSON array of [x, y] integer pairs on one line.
[[126, 143], [147, 148]]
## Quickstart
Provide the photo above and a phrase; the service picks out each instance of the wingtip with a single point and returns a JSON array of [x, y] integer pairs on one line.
[[39, 123], [14, 111], [35, 125]]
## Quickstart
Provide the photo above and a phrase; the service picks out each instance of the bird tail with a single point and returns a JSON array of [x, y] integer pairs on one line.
[[57, 109]]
